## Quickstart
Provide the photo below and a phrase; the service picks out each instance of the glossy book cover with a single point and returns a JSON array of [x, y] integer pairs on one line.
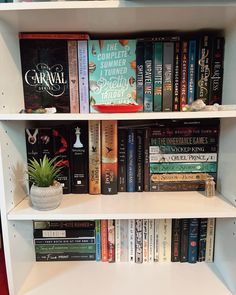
[[112, 72]]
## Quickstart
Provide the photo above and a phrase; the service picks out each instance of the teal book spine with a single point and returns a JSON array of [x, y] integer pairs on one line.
[[98, 240], [182, 167], [112, 72], [140, 72], [158, 55], [148, 77]]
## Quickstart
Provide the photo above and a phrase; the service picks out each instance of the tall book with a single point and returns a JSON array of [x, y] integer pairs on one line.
[[109, 157], [140, 72], [104, 240], [111, 240], [184, 74], [146, 173], [184, 234], [139, 159], [175, 240], [192, 51], [83, 76], [145, 241], [112, 71], [165, 240], [217, 68], [94, 158], [202, 239], [157, 92], [193, 240], [210, 240], [131, 161], [45, 74], [148, 77], [122, 160], [177, 60], [79, 157], [168, 75], [138, 240]]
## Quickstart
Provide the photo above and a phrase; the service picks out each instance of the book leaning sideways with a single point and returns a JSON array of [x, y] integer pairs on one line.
[[112, 72], [46, 72]]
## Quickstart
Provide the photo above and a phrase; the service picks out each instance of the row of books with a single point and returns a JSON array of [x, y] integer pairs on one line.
[[72, 73], [109, 156], [140, 240]]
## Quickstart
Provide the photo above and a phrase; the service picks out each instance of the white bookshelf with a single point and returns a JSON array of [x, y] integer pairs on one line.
[[27, 277]]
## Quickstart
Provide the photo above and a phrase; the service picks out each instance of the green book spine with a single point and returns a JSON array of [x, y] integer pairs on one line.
[[82, 248], [184, 167], [158, 55]]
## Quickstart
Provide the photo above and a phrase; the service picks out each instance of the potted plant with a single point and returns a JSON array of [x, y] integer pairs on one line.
[[46, 192]]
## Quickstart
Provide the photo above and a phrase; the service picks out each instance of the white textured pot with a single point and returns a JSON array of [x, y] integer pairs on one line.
[[46, 198]]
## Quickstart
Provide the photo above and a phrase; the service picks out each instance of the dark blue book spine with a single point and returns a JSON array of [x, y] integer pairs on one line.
[[202, 239], [193, 240], [191, 70], [140, 72], [148, 77], [131, 161]]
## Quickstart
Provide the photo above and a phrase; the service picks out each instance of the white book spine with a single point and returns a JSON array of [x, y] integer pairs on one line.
[[183, 158], [210, 239], [131, 240], [124, 240], [165, 240], [151, 231], [117, 240], [156, 240], [145, 240]]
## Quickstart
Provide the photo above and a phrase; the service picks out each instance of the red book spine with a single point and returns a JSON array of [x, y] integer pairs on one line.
[[184, 75], [67, 36], [111, 240], [104, 240]]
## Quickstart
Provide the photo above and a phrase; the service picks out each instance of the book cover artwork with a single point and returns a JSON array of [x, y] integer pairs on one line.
[[45, 74], [112, 72]]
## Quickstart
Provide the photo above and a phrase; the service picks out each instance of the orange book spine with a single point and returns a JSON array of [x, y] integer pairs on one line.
[[73, 76], [109, 157], [104, 240], [94, 157], [66, 36]]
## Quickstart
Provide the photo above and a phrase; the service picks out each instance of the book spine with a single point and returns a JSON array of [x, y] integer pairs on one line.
[[202, 239], [118, 241], [182, 167], [175, 240], [191, 70], [140, 72], [180, 177], [83, 76], [111, 240], [64, 224], [61, 149], [139, 159], [98, 240], [193, 140], [177, 60], [146, 176], [73, 76], [203, 81], [193, 240], [50, 36], [165, 240], [151, 235], [157, 91], [64, 256], [122, 160], [171, 149], [184, 233], [168, 76], [46, 143], [63, 248], [131, 239], [178, 186], [217, 68], [210, 240], [109, 157], [60, 241], [148, 77], [156, 240], [79, 157], [63, 233], [138, 240], [124, 240], [145, 241], [184, 75], [183, 158], [94, 157], [131, 161], [104, 240]]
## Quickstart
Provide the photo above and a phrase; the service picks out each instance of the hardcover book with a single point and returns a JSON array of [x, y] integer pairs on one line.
[[45, 74], [112, 72]]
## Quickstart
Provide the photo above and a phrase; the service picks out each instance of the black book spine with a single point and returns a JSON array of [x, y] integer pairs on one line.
[[175, 240], [202, 239], [216, 81], [168, 75], [122, 160], [61, 224], [146, 160], [79, 157], [177, 59], [139, 160], [63, 233], [184, 233], [65, 256], [60, 241]]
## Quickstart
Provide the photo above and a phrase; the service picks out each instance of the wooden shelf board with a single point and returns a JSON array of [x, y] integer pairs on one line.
[[129, 206], [122, 278], [118, 116]]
